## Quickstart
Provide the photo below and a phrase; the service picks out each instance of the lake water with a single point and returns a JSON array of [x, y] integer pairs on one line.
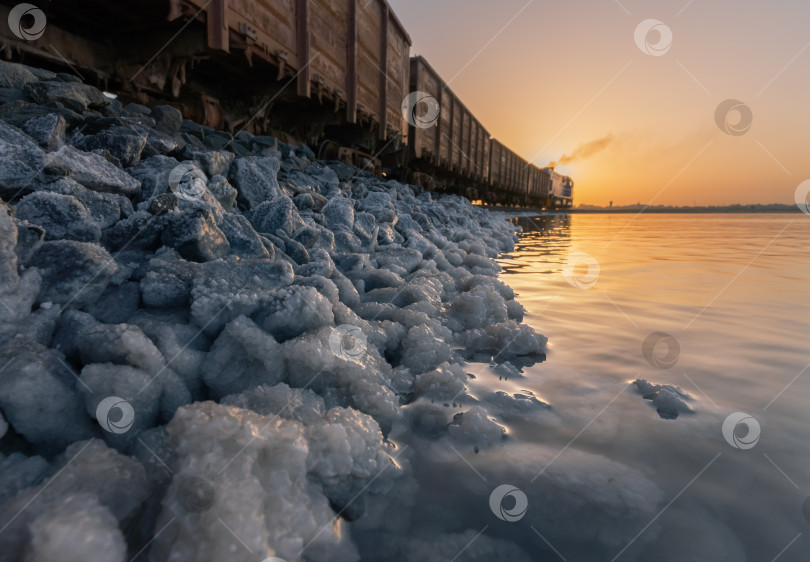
[[732, 292]]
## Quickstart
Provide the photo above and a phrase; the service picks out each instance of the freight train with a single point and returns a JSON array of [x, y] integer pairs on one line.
[[334, 74]]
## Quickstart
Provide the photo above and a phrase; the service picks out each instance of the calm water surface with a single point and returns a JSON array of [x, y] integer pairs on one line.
[[734, 293]]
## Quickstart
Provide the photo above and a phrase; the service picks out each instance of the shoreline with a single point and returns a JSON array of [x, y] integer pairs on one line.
[[216, 327]]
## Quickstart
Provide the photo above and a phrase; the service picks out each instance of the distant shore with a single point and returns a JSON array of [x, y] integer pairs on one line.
[[726, 209]]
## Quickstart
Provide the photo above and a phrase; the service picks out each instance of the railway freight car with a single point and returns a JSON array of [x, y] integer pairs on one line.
[[537, 190], [303, 70], [448, 146], [508, 177], [335, 74]]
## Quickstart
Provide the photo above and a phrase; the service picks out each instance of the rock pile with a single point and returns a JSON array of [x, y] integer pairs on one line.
[[205, 339]]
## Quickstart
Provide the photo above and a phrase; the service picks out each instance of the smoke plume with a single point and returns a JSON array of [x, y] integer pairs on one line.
[[587, 150]]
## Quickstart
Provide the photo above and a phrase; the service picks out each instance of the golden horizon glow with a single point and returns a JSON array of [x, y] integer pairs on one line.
[[567, 79]]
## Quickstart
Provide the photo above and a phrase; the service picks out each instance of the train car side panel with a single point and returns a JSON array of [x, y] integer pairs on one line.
[[329, 26], [368, 53], [396, 75], [423, 139]]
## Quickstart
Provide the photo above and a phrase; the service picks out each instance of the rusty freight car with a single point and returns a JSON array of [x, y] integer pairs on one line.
[[537, 189], [334, 74], [454, 150], [508, 176], [230, 63]]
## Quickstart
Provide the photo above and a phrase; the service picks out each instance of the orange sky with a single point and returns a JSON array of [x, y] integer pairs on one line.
[[547, 77]]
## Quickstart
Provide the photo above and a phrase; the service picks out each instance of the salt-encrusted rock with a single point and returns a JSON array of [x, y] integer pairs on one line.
[[475, 426], [21, 160], [445, 382], [117, 304], [29, 238], [167, 283], [243, 240], [304, 201], [213, 163], [62, 216], [222, 291], [308, 236], [125, 143], [75, 96], [376, 294], [425, 347], [8, 244], [291, 311], [167, 119], [345, 472], [278, 214], [137, 109], [294, 250], [105, 208], [195, 235], [505, 340], [404, 258], [16, 301], [297, 404], [338, 214], [38, 395], [255, 178], [73, 272], [17, 113], [153, 174], [140, 230], [162, 204], [478, 308], [87, 468], [183, 345], [40, 325], [78, 529], [121, 344], [3, 430], [249, 473], [91, 170], [380, 205], [71, 323], [669, 401], [358, 380], [158, 144], [48, 131], [243, 357], [13, 75], [223, 191], [516, 405], [18, 471], [94, 124], [9, 95], [139, 390]]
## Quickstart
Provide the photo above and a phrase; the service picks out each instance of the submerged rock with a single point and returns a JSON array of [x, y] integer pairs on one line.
[[670, 401]]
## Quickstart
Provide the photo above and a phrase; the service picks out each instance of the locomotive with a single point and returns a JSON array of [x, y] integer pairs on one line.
[[333, 74]]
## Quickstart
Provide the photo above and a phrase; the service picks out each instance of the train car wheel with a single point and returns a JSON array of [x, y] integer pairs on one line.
[[329, 150]]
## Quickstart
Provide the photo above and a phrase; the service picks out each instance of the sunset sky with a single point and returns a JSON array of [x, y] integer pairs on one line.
[[556, 78]]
